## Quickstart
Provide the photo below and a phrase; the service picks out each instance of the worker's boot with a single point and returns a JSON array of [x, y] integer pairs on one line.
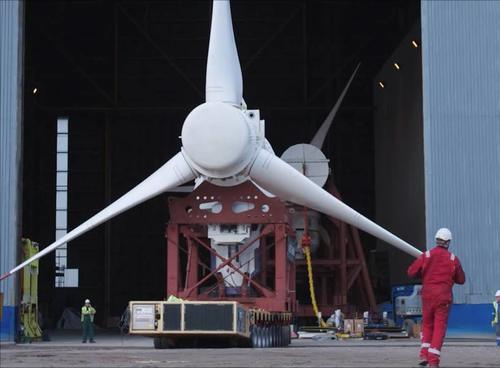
[[84, 341], [92, 341], [423, 357], [433, 360]]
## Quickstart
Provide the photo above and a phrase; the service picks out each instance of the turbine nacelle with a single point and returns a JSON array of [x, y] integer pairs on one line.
[[220, 141]]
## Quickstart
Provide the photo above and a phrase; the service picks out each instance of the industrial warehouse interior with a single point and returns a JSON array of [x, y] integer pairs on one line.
[[97, 95], [126, 84]]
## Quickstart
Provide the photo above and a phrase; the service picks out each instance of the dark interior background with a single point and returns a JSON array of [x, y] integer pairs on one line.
[[127, 73]]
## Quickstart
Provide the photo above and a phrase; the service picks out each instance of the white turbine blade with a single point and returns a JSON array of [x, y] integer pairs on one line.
[[319, 137], [278, 177], [224, 81], [175, 172]]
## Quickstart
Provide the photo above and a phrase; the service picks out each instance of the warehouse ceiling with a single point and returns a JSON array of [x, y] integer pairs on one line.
[[127, 73]]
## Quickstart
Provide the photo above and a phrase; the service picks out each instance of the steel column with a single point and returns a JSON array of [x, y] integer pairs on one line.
[[11, 98], [280, 276], [343, 263], [107, 225], [370, 296], [172, 261], [192, 264]]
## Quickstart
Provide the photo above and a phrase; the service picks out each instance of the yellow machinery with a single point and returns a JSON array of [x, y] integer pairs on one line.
[[29, 290]]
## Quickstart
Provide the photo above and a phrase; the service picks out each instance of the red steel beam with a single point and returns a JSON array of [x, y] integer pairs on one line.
[[172, 259]]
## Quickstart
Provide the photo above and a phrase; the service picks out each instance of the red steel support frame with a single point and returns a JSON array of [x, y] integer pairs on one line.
[[188, 228], [274, 288]]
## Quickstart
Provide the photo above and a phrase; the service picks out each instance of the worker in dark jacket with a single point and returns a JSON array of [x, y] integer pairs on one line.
[[439, 270], [88, 312]]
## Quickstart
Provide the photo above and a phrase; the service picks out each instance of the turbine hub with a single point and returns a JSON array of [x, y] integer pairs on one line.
[[217, 139]]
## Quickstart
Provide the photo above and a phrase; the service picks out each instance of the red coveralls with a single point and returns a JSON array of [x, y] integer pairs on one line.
[[439, 270]]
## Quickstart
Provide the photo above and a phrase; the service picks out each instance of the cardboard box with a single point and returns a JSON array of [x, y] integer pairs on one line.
[[359, 326], [416, 330]]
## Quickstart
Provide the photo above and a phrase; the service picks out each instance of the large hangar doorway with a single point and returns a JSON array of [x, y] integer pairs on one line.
[[127, 73]]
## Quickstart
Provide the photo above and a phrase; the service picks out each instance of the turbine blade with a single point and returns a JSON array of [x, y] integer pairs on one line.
[[175, 172], [319, 137], [278, 177], [224, 82]]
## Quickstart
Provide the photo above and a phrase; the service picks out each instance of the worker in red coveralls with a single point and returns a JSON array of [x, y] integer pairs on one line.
[[439, 270]]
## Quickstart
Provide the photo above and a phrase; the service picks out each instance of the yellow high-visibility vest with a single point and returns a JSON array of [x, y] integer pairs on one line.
[[88, 311]]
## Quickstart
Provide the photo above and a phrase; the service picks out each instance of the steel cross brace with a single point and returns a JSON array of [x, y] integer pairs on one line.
[[237, 268], [227, 262]]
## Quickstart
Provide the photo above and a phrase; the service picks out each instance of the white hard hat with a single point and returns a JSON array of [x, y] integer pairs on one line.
[[443, 234], [497, 293], [87, 301]]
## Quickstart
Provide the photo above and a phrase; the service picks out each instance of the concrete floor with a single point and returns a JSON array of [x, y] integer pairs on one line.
[[112, 350]]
